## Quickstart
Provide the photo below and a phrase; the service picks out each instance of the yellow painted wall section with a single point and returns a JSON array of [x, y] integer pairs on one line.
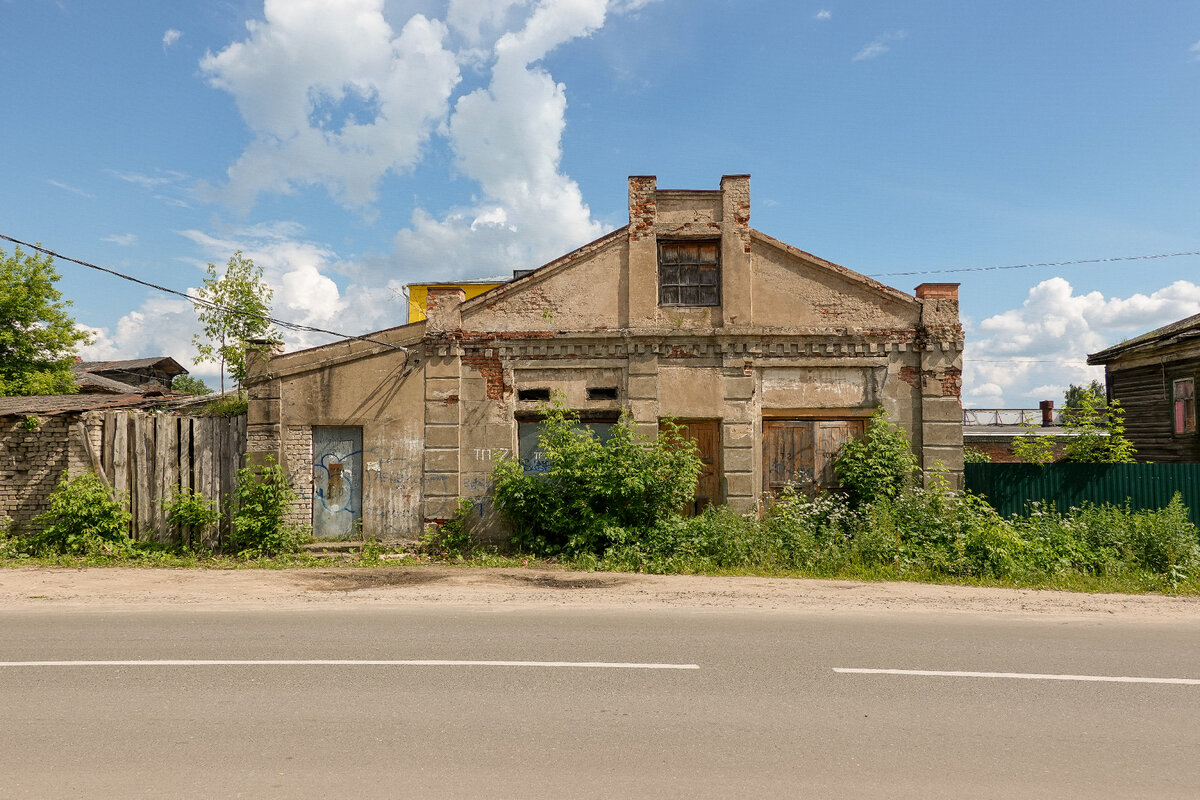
[[418, 293]]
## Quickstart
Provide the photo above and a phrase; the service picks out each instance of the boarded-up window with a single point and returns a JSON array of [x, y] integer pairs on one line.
[[529, 447], [1185, 405], [689, 273], [801, 451], [707, 435]]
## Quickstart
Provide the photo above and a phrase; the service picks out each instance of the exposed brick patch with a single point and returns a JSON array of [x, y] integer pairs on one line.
[[679, 352], [492, 371], [450, 400], [643, 208], [952, 383]]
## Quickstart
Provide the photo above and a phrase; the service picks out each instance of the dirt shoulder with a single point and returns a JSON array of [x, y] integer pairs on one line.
[[131, 589]]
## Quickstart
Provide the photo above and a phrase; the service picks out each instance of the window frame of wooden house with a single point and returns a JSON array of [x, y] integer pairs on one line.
[[1183, 408], [689, 273]]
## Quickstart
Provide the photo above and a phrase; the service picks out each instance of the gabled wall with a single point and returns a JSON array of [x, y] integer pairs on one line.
[[794, 339]]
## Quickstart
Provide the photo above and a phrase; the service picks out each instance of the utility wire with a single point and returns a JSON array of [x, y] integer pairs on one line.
[[1046, 264], [294, 326]]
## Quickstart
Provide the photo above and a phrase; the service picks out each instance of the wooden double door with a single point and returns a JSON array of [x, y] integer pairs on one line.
[[801, 451]]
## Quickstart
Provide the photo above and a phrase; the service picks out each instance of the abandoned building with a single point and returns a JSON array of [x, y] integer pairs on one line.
[[1154, 377], [770, 356]]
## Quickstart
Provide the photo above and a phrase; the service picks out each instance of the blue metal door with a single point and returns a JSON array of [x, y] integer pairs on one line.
[[337, 481]]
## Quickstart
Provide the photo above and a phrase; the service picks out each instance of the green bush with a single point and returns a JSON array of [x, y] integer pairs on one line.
[[451, 539], [192, 512], [82, 520], [877, 466], [595, 494], [262, 498]]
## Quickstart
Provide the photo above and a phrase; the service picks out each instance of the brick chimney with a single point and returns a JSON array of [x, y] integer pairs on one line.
[[443, 308], [1047, 407], [937, 291]]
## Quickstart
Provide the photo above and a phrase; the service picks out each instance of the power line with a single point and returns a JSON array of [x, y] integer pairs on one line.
[[1045, 264], [294, 326]]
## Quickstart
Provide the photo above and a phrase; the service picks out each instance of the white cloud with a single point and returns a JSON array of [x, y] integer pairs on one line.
[[878, 47], [123, 239], [170, 37], [1031, 353], [1195, 51], [334, 97], [823, 14], [66, 187], [508, 138]]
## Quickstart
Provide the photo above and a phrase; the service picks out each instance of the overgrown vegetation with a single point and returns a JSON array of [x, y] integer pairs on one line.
[[261, 501], [595, 495], [227, 405], [880, 465], [1095, 432], [193, 513], [452, 538], [83, 519], [885, 525]]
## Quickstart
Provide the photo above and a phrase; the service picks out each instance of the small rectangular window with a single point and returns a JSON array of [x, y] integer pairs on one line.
[[689, 273], [1185, 405], [534, 395], [602, 393]]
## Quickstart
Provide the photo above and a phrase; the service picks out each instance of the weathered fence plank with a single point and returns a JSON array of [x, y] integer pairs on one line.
[[119, 455], [145, 456], [143, 472], [166, 459]]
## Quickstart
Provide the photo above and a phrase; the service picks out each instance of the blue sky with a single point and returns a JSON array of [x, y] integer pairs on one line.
[[352, 146]]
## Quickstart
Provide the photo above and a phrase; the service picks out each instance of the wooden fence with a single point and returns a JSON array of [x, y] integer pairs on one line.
[[144, 456], [1011, 487]]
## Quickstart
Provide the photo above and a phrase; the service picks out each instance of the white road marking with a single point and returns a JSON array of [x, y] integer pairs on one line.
[[1028, 676], [330, 662]]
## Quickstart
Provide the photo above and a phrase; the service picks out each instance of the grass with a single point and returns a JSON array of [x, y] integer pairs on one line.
[[1131, 583]]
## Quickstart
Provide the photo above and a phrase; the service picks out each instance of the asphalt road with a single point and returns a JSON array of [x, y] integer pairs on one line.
[[764, 713]]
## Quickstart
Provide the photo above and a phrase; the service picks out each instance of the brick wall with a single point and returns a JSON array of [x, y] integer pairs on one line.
[[297, 465], [31, 463]]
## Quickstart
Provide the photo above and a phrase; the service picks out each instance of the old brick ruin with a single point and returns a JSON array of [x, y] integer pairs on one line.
[[771, 355]]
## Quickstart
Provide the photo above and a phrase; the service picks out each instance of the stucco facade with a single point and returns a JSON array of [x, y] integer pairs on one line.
[[772, 354]]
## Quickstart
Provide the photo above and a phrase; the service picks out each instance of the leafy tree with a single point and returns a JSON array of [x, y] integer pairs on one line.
[[1097, 432], [879, 465], [1073, 399], [189, 385], [37, 336], [234, 310]]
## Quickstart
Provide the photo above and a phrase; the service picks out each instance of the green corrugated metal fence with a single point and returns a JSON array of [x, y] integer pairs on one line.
[[1010, 487]]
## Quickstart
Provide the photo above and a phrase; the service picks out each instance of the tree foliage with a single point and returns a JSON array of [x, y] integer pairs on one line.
[[879, 465], [234, 311], [37, 335], [189, 385], [595, 494], [1096, 432], [1073, 397]]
